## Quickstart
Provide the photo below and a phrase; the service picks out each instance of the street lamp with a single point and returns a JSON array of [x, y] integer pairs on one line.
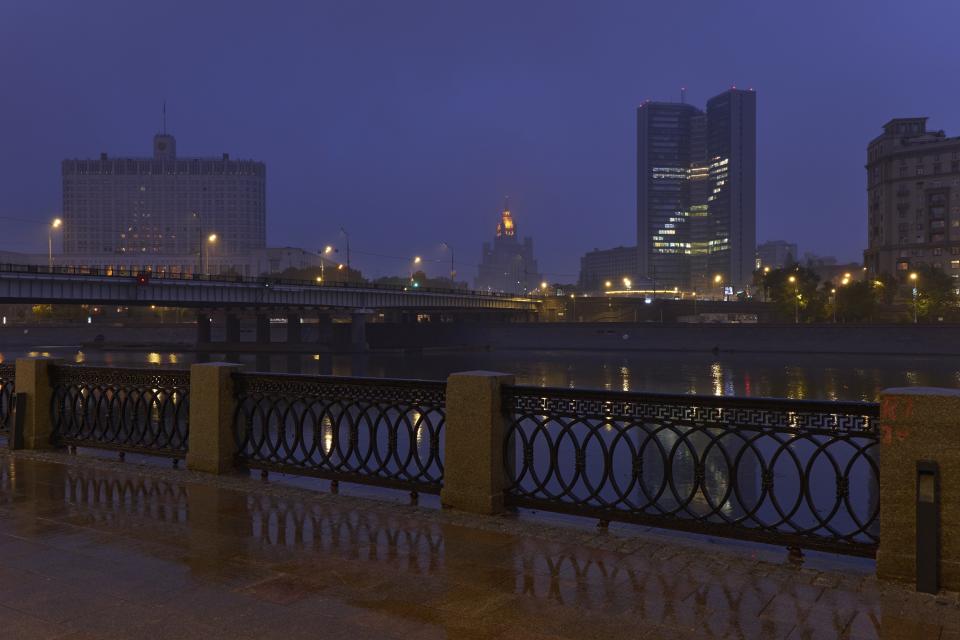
[[833, 292], [607, 284], [453, 271], [211, 240], [796, 313], [56, 223], [627, 283], [327, 250], [718, 280], [694, 294], [915, 278]]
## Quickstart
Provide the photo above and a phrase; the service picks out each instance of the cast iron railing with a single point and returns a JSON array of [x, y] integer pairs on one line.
[[796, 473], [7, 398], [372, 431], [135, 410]]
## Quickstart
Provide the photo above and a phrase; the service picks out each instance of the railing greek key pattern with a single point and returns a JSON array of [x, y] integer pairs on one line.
[[798, 473], [136, 410], [7, 399], [372, 431]]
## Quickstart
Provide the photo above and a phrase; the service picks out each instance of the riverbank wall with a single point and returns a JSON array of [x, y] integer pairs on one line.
[[900, 339]]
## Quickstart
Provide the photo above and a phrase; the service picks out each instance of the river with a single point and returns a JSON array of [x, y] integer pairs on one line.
[[795, 376]]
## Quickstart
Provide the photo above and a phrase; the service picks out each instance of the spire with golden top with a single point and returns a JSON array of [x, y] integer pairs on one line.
[[505, 227]]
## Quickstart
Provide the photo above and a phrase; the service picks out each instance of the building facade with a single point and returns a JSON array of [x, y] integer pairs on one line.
[[696, 192], [777, 254], [508, 264], [164, 205], [913, 199], [600, 266]]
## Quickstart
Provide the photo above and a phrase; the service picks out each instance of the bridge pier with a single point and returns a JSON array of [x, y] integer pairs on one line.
[[263, 339], [231, 335], [203, 327], [358, 330], [324, 327], [293, 328]]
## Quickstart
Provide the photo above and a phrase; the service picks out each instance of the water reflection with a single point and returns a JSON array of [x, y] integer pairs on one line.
[[796, 376]]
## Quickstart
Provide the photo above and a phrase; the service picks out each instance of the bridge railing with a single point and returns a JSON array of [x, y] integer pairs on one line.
[[799, 473], [7, 396], [372, 431], [265, 281], [127, 410]]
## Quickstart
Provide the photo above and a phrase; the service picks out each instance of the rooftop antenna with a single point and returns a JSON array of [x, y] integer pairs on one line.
[[683, 95], [163, 119], [506, 203]]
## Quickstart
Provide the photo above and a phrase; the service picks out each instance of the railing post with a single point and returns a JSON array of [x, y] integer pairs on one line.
[[33, 381], [473, 473], [919, 429], [212, 405]]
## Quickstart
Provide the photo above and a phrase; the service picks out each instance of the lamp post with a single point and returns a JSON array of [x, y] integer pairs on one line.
[[573, 304], [718, 280], [453, 271], [915, 279], [833, 292], [627, 283], [56, 223], [413, 266], [347, 238], [327, 250], [211, 240], [796, 299], [694, 294]]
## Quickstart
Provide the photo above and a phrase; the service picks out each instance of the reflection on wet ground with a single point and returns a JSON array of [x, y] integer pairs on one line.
[[97, 549]]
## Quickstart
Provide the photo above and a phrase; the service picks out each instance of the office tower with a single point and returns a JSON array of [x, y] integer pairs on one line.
[[696, 192]]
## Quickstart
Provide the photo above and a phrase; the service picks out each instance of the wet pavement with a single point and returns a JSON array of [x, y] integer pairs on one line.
[[92, 548]]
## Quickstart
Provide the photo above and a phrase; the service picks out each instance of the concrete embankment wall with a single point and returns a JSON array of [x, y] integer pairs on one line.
[[904, 339], [876, 339]]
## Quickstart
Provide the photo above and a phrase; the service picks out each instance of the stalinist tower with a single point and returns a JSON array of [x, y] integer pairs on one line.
[[508, 265]]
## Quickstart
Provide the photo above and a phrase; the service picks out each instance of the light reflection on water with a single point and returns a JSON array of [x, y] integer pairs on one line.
[[796, 376]]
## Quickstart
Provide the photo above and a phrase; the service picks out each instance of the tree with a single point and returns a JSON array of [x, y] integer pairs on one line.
[[794, 292], [936, 296], [857, 301]]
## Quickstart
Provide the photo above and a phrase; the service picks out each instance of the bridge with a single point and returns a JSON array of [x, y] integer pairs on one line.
[[233, 296], [31, 284]]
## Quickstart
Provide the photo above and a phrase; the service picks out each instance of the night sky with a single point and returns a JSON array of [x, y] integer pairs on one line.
[[407, 122]]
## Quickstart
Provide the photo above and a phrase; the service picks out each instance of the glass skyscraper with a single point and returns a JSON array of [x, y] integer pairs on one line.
[[696, 192]]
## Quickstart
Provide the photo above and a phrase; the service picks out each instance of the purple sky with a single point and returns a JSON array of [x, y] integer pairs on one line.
[[408, 121]]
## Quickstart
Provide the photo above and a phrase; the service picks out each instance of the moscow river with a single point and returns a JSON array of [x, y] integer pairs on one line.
[[797, 376]]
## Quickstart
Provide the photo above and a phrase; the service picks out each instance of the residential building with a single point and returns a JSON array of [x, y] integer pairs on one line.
[[696, 192], [508, 264], [163, 209], [913, 199], [601, 266], [777, 254]]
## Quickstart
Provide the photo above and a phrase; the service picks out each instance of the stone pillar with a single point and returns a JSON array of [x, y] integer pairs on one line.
[[232, 328], [212, 406], [474, 477], [263, 342], [33, 381], [263, 329], [324, 327], [918, 423], [358, 331], [293, 328], [203, 328]]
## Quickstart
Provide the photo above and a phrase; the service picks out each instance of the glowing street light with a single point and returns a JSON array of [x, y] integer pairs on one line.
[[327, 250], [607, 284], [627, 283], [56, 223], [914, 278], [211, 240]]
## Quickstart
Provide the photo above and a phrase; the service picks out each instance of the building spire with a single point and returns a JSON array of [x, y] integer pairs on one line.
[[163, 119]]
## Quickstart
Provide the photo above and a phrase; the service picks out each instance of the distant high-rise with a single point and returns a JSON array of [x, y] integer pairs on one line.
[[777, 254], [163, 206], [696, 191], [508, 265], [913, 199]]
